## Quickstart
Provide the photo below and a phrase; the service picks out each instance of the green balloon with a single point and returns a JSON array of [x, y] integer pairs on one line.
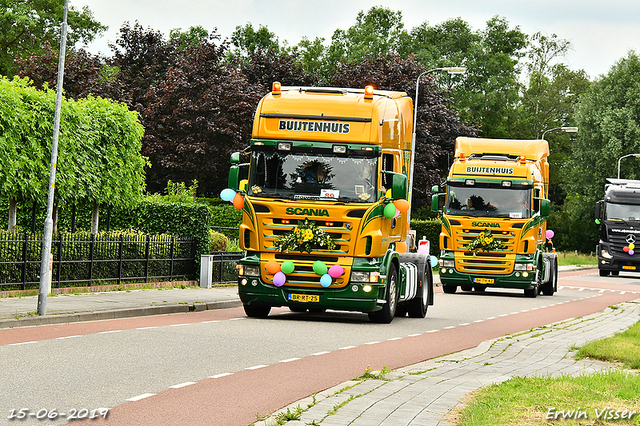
[[389, 211], [319, 267], [287, 267]]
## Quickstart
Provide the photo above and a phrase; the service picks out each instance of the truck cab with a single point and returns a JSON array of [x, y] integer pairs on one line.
[[619, 217]]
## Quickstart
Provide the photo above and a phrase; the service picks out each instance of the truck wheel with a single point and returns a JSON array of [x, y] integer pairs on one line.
[[603, 273], [386, 314], [552, 286], [536, 287], [257, 311], [417, 307], [448, 288]]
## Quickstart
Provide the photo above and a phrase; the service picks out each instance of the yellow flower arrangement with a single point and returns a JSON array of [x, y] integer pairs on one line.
[[485, 242], [306, 236]]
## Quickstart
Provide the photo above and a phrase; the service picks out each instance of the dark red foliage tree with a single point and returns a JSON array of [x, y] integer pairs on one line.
[[143, 58], [196, 116], [438, 124], [264, 66], [84, 73]]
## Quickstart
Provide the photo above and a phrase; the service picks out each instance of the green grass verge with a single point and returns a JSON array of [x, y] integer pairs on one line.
[[597, 399], [622, 347], [573, 258]]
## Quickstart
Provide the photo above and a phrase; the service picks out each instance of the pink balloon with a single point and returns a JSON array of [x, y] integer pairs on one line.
[[631, 252], [550, 233], [335, 271], [279, 278]]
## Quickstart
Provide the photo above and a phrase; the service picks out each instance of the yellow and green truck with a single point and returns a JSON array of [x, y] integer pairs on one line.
[[325, 206], [494, 210]]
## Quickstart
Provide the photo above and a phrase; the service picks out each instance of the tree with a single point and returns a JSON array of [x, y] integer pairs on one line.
[[99, 148], [27, 25], [247, 40], [143, 58], [375, 33], [437, 125], [549, 102], [84, 73], [608, 115], [196, 116]]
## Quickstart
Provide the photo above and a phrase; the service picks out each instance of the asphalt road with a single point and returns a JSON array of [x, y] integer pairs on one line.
[[219, 367]]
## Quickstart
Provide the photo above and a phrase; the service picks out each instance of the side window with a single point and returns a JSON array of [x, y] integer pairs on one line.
[[387, 165], [536, 201]]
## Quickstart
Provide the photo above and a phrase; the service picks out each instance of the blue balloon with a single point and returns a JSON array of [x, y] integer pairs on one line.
[[433, 260], [227, 194], [325, 280]]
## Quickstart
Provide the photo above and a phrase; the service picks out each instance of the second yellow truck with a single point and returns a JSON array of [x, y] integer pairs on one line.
[[494, 218]]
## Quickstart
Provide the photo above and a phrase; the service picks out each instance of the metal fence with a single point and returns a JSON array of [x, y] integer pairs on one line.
[[81, 260], [224, 269]]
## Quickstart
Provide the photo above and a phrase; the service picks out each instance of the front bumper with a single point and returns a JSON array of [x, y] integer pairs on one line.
[[253, 291]]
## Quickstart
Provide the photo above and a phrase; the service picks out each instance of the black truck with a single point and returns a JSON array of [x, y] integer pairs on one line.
[[619, 216]]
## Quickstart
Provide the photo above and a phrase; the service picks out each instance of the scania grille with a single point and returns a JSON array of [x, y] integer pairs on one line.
[[340, 232], [488, 263], [465, 237]]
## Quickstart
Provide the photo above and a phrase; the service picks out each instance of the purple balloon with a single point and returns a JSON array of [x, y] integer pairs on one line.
[[279, 278], [631, 252], [336, 270]]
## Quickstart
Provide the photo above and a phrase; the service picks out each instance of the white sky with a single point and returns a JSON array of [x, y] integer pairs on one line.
[[601, 32]]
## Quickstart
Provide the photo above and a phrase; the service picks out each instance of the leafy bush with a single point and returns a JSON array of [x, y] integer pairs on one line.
[[219, 241]]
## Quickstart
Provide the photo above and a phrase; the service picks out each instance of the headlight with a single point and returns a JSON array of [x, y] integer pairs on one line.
[[249, 270], [605, 254], [365, 277], [447, 263], [523, 267]]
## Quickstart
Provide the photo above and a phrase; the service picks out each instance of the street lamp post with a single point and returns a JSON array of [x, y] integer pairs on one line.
[[564, 129], [625, 156], [450, 71]]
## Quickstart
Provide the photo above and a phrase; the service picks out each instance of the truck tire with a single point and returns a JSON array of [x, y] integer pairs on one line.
[[533, 292], [449, 288], [417, 307], [603, 273], [386, 314], [257, 311], [552, 286]]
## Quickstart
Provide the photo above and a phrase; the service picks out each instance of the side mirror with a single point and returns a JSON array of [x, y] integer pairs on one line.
[[234, 177], [435, 189], [235, 158], [398, 186], [435, 203], [599, 209], [545, 207]]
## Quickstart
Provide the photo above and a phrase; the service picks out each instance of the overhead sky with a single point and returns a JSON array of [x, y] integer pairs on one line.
[[601, 32]]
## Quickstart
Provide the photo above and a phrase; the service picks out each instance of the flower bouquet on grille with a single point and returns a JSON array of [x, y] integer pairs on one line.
[[306, 236], [485, 242]]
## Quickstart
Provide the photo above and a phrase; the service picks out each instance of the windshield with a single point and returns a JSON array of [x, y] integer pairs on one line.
[[489, 202], [622, 211], [313, 176]]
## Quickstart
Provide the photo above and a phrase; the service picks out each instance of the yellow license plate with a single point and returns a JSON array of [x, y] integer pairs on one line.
[[304, 297], [483, 280], [631, 268]]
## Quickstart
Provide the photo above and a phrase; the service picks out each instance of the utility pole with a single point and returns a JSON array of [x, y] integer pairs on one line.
[[45, 264]]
